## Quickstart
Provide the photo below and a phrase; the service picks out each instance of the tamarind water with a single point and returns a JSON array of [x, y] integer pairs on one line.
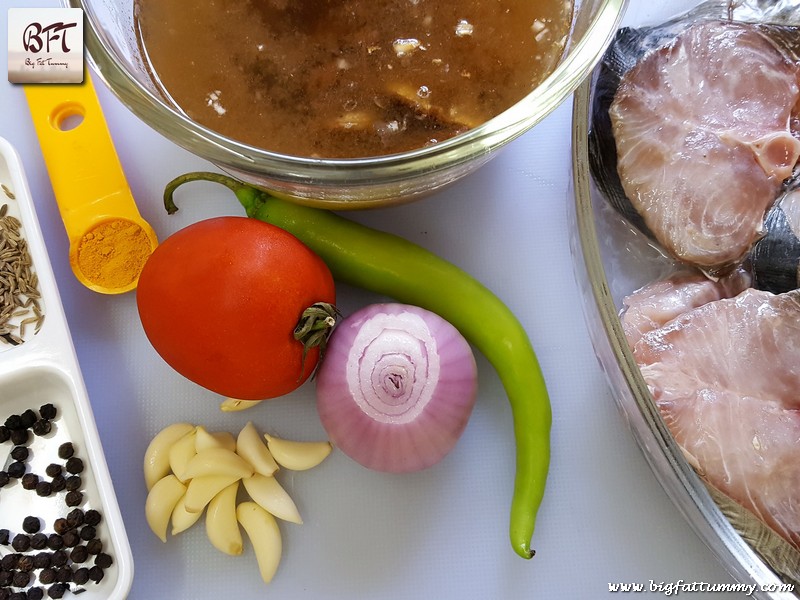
[[349, 78]]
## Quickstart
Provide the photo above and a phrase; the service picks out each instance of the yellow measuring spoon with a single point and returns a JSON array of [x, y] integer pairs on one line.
[[109, 241]]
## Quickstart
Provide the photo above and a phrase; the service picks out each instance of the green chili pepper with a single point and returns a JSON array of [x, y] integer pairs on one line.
[[390, 265]]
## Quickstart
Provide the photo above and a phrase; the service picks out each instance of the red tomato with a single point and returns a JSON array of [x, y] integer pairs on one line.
[[219, 301]]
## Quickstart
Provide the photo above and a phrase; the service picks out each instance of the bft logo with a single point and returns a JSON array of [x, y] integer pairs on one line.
[[45, 45], [38, 37]]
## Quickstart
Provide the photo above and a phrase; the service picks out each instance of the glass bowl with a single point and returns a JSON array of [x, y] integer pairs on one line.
[[339, 183], [612, 260]]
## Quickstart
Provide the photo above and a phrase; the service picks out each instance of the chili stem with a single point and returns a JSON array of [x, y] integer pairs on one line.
[[250, 197]]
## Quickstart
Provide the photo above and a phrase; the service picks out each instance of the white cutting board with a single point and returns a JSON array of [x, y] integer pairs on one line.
[[441, 533]]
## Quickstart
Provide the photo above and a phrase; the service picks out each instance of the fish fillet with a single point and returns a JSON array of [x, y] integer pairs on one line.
[[726, 379], [656, 304], [703, 135]]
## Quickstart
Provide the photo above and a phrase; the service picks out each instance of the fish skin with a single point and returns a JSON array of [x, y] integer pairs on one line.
[[775, 258], [725, 378]]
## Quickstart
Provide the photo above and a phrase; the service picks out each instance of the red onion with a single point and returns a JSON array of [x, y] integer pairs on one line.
[[396, 387]]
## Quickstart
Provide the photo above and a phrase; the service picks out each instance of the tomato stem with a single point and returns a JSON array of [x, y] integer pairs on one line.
[[313, 330]]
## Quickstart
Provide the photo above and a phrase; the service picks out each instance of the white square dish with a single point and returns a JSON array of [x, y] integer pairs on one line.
[[42, 369]]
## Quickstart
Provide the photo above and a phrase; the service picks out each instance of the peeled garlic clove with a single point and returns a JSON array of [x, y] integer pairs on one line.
[[181, 453], [297, 456], [202, 489], [234, 405], [182, 519], [222, 526], [265, 536], [270, 495], [225, 439], [219, 439], [217, 461], [156, 457], [161, 501], [252, 448]]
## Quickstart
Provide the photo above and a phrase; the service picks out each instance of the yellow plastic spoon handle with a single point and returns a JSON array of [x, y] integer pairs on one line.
[[87, 178]]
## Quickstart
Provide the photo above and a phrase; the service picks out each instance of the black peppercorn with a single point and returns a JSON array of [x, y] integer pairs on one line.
[[42, 427], [44, 489], [19, 437], [30, 481], [31, 524], [25, 563], [96, 574], [64, 575], [20, 453], [48, 411], [27, 418], [75, 518], [103, 560], [81, 576], [16, 469], [54, 542], [79, 554], [60, 525], [59, 558], [94, 546], [41, 560], [92, 517], [71, 538], [21, 542], [66, 450], [47, 576], [57, 590], [76, 553], [74, 465], [58, 483], [21, 579], [39, 541]]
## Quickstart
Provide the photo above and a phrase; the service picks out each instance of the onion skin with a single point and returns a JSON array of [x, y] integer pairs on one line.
[[396, 388]]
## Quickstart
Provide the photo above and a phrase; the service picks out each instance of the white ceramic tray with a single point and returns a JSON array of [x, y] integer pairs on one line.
[[44, 369]]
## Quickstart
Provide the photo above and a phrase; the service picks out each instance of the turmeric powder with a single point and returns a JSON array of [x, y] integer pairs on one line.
[[112, 254]]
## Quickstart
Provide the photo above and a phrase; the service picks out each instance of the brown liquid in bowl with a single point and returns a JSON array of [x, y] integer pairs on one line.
[[349, 78]]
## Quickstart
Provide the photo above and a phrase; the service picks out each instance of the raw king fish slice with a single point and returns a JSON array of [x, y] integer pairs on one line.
[[656, 304], [703, 136], [726, 379]]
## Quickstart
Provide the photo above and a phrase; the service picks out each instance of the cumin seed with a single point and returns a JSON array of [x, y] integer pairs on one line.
[[19, 284]]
